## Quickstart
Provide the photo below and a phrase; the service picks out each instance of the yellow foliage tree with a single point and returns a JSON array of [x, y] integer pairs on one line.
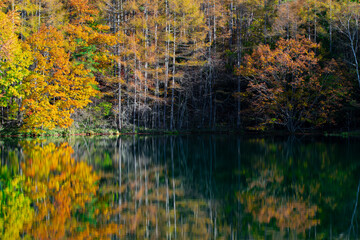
[[15, 59], [56, 86]]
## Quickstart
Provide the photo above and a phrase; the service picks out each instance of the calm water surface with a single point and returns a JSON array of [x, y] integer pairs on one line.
[[180, 187]]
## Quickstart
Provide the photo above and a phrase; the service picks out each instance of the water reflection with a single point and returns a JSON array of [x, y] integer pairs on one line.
[[179, 187]]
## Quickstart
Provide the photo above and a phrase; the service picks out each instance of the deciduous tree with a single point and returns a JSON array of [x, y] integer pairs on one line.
[[15, 59], [289, 87], [57, 86]]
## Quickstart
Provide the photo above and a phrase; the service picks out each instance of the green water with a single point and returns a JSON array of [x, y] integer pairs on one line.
[[180, 187]]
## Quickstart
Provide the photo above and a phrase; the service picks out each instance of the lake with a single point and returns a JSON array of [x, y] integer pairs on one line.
[[180, 187]]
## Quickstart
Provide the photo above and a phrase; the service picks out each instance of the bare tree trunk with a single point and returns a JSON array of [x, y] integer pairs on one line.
[[119, 100], [157, 116], [146, 63], [356, 62], [231, 22], [166, 62], [210, 75], [330, 28], [135, 83], [119, 65], [213, 101], [173, 78], [157, 122], [315, 22], [139, 113], [128, 119], [181, 118], [352, 36]]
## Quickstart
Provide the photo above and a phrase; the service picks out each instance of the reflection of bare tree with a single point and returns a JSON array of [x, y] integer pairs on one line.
[[151, 199], [352, 229]]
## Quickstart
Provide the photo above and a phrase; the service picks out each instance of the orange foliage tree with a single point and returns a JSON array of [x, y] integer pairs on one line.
[[289, 87], [56, 86]]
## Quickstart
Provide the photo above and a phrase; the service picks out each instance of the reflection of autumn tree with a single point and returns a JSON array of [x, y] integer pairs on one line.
[[267, 198], [293, 174], [62, 189]]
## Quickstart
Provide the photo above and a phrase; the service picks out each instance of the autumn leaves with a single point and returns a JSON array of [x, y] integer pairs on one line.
[[41, 80], [288, 86], [56, 86], [137, 51], [171, 64], [14, 64], [158, 42]]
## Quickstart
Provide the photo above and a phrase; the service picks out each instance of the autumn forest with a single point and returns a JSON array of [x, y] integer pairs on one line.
[[131, 65], [224, 119]]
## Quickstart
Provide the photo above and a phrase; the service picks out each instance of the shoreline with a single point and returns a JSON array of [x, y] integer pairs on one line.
[[113, 132]]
